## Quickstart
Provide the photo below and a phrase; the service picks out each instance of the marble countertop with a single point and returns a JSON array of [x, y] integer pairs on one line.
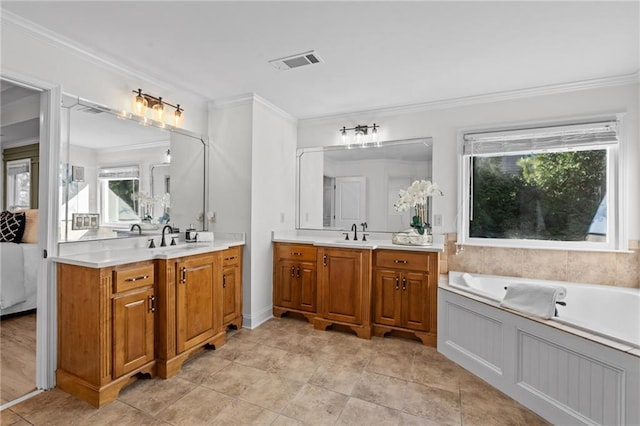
[[118, 256], [336, 239]]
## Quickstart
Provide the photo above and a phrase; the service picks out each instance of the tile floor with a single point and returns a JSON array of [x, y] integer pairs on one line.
[[286, 373]]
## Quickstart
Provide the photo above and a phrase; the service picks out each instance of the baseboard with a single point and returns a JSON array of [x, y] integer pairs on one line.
[[254, 321]]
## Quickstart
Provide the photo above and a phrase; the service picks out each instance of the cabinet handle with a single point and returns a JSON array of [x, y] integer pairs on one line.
[[404, 284], [324, 260], [134, 279], [152, 303], [296, 253], [401, 261], [230, 258], [397, 283], [224, 281], [293, 272], [298, 272], [183, 278]]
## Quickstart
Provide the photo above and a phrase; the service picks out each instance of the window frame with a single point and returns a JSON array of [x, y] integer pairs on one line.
[[616, 191], [103, 204], [11, 184]]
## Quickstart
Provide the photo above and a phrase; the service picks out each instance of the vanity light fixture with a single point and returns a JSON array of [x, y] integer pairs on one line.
[[142, 101], [360, 131]]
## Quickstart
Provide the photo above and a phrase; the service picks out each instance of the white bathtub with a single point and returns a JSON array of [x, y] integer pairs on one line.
[[581, 367], [610, 312]]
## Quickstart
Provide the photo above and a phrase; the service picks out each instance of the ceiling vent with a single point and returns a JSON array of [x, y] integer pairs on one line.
[[296, 61]]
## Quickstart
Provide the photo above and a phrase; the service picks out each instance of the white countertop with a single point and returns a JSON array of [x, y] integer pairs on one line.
[[336, 239], [120, 256]]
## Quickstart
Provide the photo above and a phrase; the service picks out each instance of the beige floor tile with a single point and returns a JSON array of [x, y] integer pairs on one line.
[[121, 414], [152, 396], [336, 377], [298, 367], [395, 365], [261, 357], [362, 413], [438, 405], [396, 345], [234, 349], [200, 367], [233, 379], [436, 371], [271, 392], [243, 413], [286, 421], [10, 418], [53, 407], [198, 407], [315, 405], [381, 390]]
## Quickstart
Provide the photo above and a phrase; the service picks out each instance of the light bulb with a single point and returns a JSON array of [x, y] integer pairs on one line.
[[140, 103], [344, 135], [167, 156], [158, 110], [374, 134], [177, 116]]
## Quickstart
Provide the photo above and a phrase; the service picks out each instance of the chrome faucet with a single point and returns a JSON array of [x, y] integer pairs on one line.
[[139, 228], [163, 243], [354, 228]]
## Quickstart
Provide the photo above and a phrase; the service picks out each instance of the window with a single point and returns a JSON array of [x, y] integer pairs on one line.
[[117, 187], [19, 184], [550, 187]]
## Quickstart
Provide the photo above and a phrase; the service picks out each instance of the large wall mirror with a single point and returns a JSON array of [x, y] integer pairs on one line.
[[117, 170], [342, 185]]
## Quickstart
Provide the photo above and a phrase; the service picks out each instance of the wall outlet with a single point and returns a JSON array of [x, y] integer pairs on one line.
[[437, 220], [211, 216]]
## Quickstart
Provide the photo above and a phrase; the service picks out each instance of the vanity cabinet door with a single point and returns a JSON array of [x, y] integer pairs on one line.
[[307, 288], [195, 302], [388, 298], [342, 282], [285, 286], [415, 300], [231, 289], [133, 314]]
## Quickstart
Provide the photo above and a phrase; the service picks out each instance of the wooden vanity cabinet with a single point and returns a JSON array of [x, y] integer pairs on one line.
[[105, 328], [405, 293], [294, 279], [344, 289], [232, 287], [190, 303]]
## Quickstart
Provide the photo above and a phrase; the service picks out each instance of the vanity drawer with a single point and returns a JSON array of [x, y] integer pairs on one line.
[[138, 276], [398, 259], [297, 252], [231, 256]]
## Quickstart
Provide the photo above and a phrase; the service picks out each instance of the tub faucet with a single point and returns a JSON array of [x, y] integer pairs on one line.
[[354, 228], [139, 228], [163, 243]]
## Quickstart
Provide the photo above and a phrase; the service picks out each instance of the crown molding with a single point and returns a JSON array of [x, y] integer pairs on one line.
[[248, 98], [552, 89], [98, 58]]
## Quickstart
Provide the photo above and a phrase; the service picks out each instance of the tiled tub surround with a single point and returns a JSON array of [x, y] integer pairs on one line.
[[286, 373], [567, 375], [606, 268]]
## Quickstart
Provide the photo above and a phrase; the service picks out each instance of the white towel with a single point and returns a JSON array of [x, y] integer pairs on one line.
[[533, 299]]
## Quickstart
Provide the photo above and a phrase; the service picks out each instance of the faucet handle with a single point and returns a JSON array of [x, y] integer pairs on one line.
[[152, 243], [173, 241], [346, 235], [364, 236]]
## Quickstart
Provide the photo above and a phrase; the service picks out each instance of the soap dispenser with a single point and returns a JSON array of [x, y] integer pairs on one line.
[[190, 233]]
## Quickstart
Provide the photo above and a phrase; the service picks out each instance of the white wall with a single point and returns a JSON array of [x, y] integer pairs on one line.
[[252, 189], [443, 125], [28, 53]]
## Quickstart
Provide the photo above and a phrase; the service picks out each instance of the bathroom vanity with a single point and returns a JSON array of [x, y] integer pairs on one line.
[[138, 310], [372, 288]]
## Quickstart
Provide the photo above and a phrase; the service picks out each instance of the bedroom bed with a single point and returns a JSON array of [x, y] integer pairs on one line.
[[19, 262]]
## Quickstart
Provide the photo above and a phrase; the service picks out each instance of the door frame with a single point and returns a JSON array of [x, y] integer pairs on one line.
[[46, 325]]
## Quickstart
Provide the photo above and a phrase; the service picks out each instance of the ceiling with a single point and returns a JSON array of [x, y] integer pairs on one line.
[[375, 54]]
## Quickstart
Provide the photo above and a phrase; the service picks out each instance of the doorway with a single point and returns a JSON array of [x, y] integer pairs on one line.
[[26, 331]]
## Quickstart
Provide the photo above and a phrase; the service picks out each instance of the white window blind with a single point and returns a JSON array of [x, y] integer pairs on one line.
[[578, 136], [120, 172]]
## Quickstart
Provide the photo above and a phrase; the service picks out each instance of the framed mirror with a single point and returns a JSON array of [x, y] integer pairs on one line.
[[118, 170], [342, 185]]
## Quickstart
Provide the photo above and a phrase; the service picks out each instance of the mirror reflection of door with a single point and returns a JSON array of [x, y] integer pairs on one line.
[[20, 259], [351, 201], [328, 202]]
